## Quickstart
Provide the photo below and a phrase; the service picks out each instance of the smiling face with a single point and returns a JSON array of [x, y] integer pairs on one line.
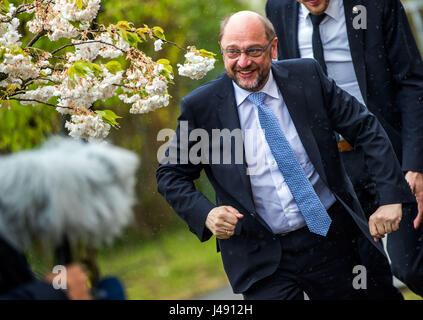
[[244, 30], [315, 6]]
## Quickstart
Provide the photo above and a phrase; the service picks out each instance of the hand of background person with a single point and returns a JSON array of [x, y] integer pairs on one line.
[[415, 180], [76, 282], [384, 220], [221, 221]]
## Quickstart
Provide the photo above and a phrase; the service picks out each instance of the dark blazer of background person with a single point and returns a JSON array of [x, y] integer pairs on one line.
[[387, 64], [389, 72], [17, 281], [317, 107]]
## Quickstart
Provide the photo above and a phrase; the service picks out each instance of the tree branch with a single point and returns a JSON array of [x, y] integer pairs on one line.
[[34, 100], [20, 9], [33, 40], [170, 42], [132, 31], [85, 42]]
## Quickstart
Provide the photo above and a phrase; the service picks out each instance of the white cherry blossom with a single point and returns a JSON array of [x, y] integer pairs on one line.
[[196, 65], [79, 77], [89, 127], [158, 45]]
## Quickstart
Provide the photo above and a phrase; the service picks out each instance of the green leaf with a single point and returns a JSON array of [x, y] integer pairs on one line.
[[159, 33], [2, 52], [81, 68], [142, 32], [168, 70], [4, 6], [109, 117], [79, 4], [76, 24], [15, 49], [95, 68], [71, 73], [164, 62], [133, 39], [124, 25], [123, 34], [207, 54], [168, 75], [113, 66], [13, 87]]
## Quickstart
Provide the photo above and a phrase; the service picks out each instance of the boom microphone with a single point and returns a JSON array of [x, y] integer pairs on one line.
[[67, 189]]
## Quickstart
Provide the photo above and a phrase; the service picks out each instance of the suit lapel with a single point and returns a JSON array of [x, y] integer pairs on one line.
[[297, 106], [229, 119], [356, 38]]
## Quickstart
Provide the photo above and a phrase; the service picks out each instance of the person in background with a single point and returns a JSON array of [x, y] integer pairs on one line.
[[17, 281], [374, 58], [62, 193]]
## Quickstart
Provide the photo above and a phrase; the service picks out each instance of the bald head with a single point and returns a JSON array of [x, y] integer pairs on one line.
[[248, 45], [244, 20]]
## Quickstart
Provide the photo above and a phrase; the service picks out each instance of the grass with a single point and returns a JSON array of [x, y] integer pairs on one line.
[[172, 265]]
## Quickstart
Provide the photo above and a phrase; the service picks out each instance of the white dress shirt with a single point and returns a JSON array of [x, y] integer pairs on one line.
[[336, 48], [272, 197]]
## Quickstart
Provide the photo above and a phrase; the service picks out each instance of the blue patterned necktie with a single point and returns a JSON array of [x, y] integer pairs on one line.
[[312, 209]]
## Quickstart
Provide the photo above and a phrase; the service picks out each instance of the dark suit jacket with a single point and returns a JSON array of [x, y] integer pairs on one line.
[[317, 107], [387, 63], [17, 282]]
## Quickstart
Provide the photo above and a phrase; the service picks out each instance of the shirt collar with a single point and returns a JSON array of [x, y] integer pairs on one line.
[[270, 88], [334, 10]]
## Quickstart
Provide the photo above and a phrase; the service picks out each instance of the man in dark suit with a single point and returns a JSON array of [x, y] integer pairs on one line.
[[288, 225], [367, 47]]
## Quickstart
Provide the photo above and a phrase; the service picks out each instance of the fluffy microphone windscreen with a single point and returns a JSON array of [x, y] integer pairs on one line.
[[67, 188]]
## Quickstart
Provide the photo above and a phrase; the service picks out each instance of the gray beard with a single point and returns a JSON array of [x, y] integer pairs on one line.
[[256, 86]]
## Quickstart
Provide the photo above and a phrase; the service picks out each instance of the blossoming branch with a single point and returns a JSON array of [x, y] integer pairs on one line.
[[72, 81]]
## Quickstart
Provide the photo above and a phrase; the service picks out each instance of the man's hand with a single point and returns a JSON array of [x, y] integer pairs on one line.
[[415, 180], [386, 219], [221, 221], [76, 282]]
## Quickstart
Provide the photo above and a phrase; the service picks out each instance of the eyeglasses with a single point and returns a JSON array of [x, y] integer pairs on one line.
[[251, 52]]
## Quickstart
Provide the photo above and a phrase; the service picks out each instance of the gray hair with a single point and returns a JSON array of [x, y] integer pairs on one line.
[[269, 30], [84, 191]]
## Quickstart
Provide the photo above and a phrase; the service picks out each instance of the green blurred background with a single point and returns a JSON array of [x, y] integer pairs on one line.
[[157, 257]]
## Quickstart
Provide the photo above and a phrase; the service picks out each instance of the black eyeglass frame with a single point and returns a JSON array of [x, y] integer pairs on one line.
[[246, 51]]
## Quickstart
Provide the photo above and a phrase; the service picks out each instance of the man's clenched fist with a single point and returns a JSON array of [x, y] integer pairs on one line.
[[386, 219], [221, 221]]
